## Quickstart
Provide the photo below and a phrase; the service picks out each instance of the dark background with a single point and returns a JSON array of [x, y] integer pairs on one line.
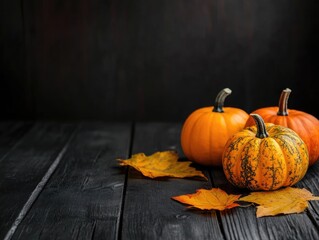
[[154, 59]]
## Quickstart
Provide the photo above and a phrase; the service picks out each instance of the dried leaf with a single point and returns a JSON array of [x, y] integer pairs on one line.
[[284, 201], [161, 164], [205, 199]]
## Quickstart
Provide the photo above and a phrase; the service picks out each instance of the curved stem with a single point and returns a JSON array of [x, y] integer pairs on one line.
[[261, 127], [283, 102], [220, 99]]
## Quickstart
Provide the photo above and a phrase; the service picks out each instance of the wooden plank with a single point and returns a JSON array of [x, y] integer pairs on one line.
[[13, 90], [83, 198], [71, 52], [149, 211], [10, 134], [311, 183], [133, 57], [235, 221], [23, 168]]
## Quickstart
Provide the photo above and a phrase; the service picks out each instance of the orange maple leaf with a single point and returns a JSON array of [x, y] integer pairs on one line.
[[161, 164], [214, 198], [284, 201]]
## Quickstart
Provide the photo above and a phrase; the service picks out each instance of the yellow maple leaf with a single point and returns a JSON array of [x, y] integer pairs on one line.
[[161, 164], [283, 201], [204, 199]]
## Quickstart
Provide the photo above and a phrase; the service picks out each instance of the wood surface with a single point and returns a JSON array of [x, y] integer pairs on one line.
[[149, 211], [13, 72], [241, 223], [84, 194], [24, 166], [10, 133], [154, 60], [62, 181]]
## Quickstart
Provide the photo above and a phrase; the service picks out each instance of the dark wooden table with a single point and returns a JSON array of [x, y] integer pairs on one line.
[[62, 181]]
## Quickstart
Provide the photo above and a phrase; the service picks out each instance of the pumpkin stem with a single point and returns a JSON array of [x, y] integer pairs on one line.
[[220, 99], [261, 127], [283, 102]]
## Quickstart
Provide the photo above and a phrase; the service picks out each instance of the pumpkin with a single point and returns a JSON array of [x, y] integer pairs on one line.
[[304, 124], [206, 130], [265, 157]]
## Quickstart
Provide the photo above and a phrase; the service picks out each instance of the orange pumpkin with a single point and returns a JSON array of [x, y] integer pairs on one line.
[[207, 129], [304, 124], [265, 157]]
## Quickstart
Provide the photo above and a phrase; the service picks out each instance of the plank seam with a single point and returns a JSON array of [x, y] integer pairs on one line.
[[119, 227], [38, 189], [218, 214]]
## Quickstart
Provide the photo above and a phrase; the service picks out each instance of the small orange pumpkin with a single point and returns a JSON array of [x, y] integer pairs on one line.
[[304, 124], [207, 129], [265, 157]]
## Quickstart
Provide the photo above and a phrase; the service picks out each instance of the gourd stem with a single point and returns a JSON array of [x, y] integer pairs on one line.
[[220, 99], [261, 127], [283, 102]]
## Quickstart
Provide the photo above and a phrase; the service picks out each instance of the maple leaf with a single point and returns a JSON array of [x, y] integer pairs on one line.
[[161, 164], [213, 199], [284, 201]]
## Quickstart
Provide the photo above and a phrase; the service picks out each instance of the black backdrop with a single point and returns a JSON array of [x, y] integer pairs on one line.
[[154, 60]]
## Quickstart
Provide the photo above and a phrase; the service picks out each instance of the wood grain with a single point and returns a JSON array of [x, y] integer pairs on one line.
[[241, 223], [23, 168], [10, 134], [83, 198], [154, 60], [311, 183], [149, 212], [14, 102], [89, 196]]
